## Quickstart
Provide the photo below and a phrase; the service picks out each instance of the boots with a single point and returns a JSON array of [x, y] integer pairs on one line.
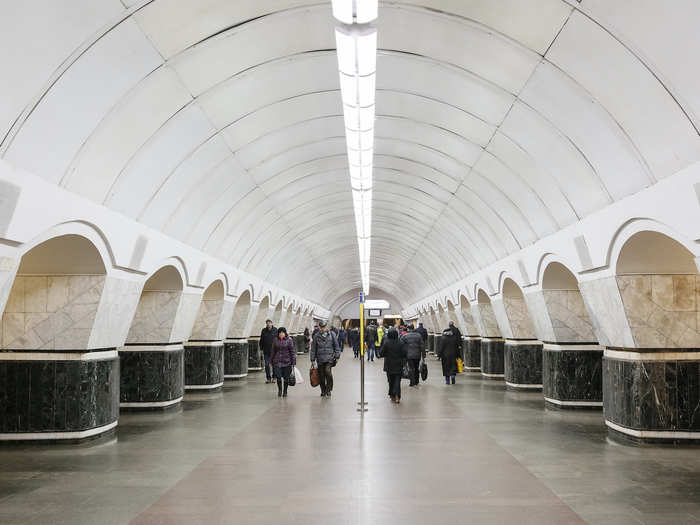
[[284, 393], [453, 380]]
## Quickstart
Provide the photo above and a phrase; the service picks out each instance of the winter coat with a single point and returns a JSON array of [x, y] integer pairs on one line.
[[371, 335], [449, 351], [423, 333], [394, 352], [355, 340], [283, 352], [342, 336], [325, 347], [267, 337], [414, 345]]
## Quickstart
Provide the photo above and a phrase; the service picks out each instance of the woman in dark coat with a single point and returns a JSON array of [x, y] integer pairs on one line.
[[283, 358], [355, 341], [394, 353], [449, 352]]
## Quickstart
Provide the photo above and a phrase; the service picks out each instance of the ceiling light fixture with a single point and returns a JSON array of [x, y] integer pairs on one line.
[[355, 11], [357, 61]]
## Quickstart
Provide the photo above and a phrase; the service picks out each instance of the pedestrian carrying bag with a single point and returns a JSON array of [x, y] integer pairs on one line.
[[298, 378], [292, 379], [314, 379], [423, 370]]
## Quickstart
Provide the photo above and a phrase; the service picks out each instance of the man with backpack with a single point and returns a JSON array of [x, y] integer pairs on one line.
[[415, 350]]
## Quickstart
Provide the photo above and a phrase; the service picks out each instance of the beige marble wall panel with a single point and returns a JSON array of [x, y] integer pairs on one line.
[[488, 325], [662, 310], [185, 317], [471, 327], [115, 313], [499, 311], [51, 312], [207, 325], [607, 313], [569, 316], [250, 324], [154, 318], [226, 318], [540, 317], [8, 269], [521, 324], [238, 322]]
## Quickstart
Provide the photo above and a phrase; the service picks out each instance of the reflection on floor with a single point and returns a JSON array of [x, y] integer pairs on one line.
[[469, 453]]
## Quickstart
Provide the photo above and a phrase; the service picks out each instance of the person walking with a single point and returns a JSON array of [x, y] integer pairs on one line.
[[394, 352], [423, 333], [449, 352], [378, 342], [267, 337], [342, 336], [415, 350], [307, 338], [355, 342], [325, 351], [283, 358], [458, 334], [370, 340]]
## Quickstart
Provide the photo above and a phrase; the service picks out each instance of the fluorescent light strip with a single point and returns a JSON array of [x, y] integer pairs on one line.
[[355, 11], [357, 62]]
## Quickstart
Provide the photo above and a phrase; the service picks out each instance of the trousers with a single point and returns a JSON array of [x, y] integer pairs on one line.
[[394, 384], [325, 375], [414, 367]]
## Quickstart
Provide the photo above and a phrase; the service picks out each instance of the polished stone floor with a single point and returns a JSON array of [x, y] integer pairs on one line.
[[469, 453]]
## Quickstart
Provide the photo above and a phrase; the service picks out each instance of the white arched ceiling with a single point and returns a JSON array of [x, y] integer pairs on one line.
[[220, 124]]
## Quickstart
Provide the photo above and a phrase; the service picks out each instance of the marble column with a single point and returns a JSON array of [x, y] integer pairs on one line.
[[522, 350], [571, 356], [572, 375], [59, 365], [472, 353], [492, 358], [152, 376], [255, 356], [523, 364], [648, 325], [235, 358], [204, 365], [436, 344]]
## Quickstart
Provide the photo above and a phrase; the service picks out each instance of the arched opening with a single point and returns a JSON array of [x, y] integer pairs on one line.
[[207, 326], [154, 320], [571, 359], [569, 319], [482, 297], [649, 252], [657, 279], [204, 352], [241, 311], [277, 315], [288, 320], [152, 361], [55, 296], [262, 315], [521, 325], [54, 304]]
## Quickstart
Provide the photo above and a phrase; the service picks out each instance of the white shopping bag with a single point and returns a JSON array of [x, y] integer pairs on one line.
[[298, 376]]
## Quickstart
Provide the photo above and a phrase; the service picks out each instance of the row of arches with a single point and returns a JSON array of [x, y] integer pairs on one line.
[[99, 339], [623, 338]]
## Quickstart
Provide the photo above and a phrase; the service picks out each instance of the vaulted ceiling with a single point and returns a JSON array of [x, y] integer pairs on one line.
[[219, 123]]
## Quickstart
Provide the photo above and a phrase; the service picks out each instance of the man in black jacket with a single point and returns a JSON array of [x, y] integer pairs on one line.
[[267, 337], [415, 350], [458, 333], [423, 333]]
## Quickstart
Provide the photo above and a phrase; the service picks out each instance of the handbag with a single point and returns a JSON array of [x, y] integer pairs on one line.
[[314, 378], [423, 370], [292, 379], [298, 378], [460, 365]]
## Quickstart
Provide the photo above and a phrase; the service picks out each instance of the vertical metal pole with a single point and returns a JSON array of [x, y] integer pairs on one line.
[[362, 403]]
